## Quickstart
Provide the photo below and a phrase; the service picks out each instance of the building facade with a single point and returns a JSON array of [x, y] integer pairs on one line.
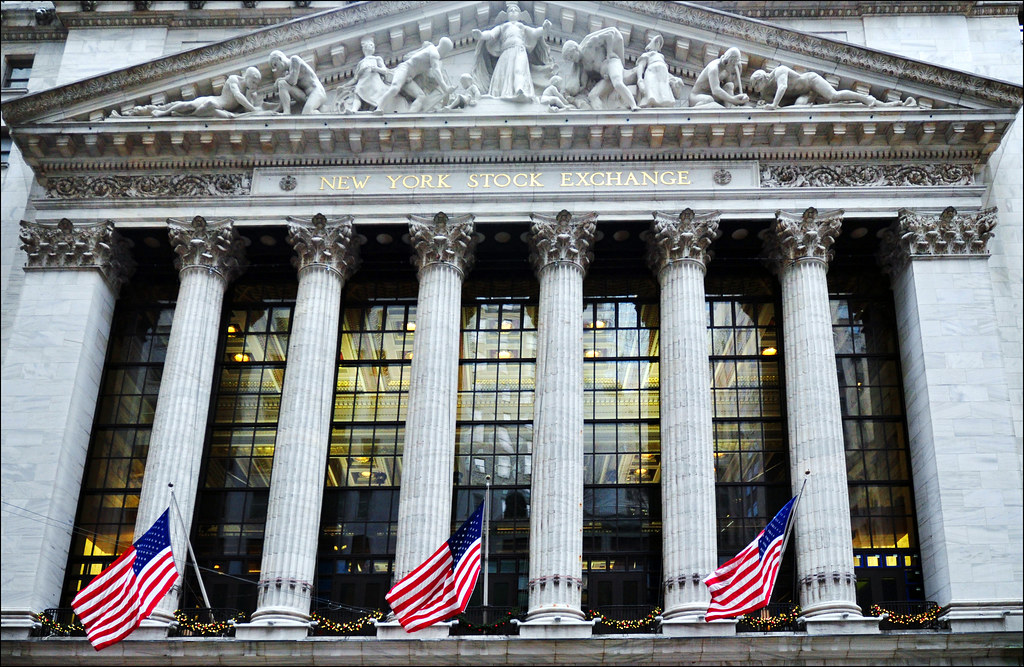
[[322, 277]]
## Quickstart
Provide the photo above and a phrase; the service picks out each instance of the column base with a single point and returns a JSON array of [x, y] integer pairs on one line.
[[18, 624], [151, 630], [273, 629], [556, 627], [394, 630], [691, 626], [984, 618], [841, 624]]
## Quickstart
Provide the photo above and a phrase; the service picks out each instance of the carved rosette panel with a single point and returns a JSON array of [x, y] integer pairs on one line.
[[443, 240], [149, 187], [686, 236], [858, 176], [564, 238], [947, 234], [70, 246], [322, 241], [210, 244], [796, 237]]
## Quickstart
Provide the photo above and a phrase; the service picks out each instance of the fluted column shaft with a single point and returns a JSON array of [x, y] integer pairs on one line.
[[689, 539], [208, 258], [325, 259], [824, 539], [561, 256], [444, 254]]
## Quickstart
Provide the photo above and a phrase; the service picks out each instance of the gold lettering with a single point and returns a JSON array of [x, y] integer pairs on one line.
[[341, 183], [602, 174], [442, 181], [581, 178], [566, 177], [515, 180], [647, 177], [684, 177], [359, 184], [326, 181], [535, 180], [507, 180], [631, 179], [415, 182], [666, 175], [471, 181], [614, 178], [427, 181], [393, 179]]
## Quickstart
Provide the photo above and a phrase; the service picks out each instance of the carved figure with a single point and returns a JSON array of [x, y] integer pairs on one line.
[[237, 96], [420, 76], [719, 83], [296, 81], [466, 95], [512, 58], [785, 87], [369, 81], [552, 95], [654, 83], [598, 57]]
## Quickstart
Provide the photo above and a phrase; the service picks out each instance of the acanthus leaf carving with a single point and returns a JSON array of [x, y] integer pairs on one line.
[[327, 242], [564, 238], [149, 187], [795, 237], [210, 244], [865, 175], [686, 236], [85, 246], [441, 239], [949, 233]]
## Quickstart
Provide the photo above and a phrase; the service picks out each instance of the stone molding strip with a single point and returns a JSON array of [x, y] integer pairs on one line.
[[86, 246], [149, 187], [865, 175]]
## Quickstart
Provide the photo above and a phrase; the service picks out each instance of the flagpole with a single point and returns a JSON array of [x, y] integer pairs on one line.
[[487, 539], [792, 515], [188, 542]]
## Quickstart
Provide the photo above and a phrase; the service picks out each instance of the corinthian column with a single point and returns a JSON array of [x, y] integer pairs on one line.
[[678, 255], [560, 256], [799, 247], [210, 255], [51, 377], [326, 255], [444, 254]]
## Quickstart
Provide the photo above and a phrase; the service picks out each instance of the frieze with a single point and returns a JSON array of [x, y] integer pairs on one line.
[[149, 187], [69, 246], [865, 175]]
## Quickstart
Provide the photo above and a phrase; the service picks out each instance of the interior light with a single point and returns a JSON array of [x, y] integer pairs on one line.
[[410, 326], [365, 473], [600, 324], [232, 328], [506, 325], [408, 355], [769, 351], [591, 354], [504, 354], [241, 356]]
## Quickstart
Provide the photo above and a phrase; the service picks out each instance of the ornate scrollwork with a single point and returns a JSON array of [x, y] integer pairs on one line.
[[865, 175], [562, 239], [947, 234], [809, 235], [191, 186], [322, 241], [443, 240], [686, 236], [70, 246], [213, 245]]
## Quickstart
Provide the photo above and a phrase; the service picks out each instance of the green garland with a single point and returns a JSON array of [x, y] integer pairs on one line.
[[203, 629], [67, 629], [645, 623], [349, 628], [771, 623], [489, 628], [924, 618]]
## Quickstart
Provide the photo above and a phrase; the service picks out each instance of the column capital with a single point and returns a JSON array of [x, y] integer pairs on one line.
[[948, 234], [565, 238], [683, 237], [327, 242], [441, 239], [83, 246], [211, 244], [801, 236]]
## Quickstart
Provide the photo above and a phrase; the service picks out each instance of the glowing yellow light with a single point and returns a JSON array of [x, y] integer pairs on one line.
[[410, 326], [365, 473], [232, 329], [600, 324], [504, 354], [506, 325], [408, 355], [590, 354], [769, 351], [241, 356]]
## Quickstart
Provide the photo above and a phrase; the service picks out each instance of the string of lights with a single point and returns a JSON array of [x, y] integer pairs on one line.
[[647, 622]]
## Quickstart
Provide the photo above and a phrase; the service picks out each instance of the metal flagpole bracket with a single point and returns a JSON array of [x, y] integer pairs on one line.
[[188, 542]]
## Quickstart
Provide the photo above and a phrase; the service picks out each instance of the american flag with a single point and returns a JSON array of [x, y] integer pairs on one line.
[[116, 602], [745, 582], [440, 588]]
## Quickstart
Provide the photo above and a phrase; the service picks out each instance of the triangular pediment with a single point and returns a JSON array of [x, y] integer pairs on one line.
[[94, 118]]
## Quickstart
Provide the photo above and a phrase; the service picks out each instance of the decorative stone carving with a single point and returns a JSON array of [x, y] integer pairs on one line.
[[45, 15], [329, 242], [369, 81], [420, 77], [69, 246], [512, 58], [720, 83], [676, 238], [552, 95], [722, 177], [596, 68], [191, 186], [288, 183], [857, 176], [656, 86], [466, 95], [947, 234], [796, 237], [565, 239], [213, 245], [237, 97], [445, 240], [786, 87], [296, 82]]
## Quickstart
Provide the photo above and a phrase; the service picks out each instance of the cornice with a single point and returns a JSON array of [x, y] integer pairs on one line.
[[850, 9], [238, 18]]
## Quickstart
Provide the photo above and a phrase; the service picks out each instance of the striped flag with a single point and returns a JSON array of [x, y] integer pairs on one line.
[[116, 602], [745, 582], [440, 588]]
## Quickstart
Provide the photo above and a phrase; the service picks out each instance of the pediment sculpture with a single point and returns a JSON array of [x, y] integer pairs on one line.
[[514, 65]]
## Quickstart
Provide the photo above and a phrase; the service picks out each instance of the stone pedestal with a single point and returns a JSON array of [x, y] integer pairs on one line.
[[560, 256], [678, 256], [393, 630], [209, 257], [687, 626], [800, 246], [50, 380], [841, 624], [325, 259]]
